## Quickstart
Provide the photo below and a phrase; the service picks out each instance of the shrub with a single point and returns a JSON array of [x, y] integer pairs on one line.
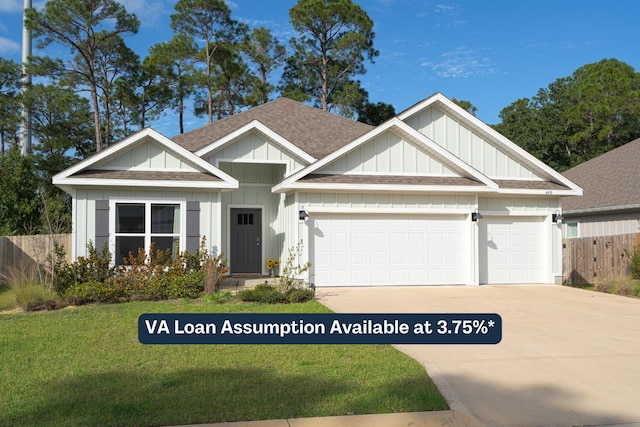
[[291, 273], [109, 291], [155, 275], [300, 295], [263, 293], [95, 267], [624, 288], [634, 263], [188, 285], [602, 287], [29, 292]]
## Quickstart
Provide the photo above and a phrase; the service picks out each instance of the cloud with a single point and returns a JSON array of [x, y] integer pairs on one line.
[[462, 62], [149, 12], [8, 46], [10, 5]]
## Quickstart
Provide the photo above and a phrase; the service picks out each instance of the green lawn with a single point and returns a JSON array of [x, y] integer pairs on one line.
[[85, 366]]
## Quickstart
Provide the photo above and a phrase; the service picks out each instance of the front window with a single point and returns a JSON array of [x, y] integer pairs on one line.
[[140, 224], [571, 229]]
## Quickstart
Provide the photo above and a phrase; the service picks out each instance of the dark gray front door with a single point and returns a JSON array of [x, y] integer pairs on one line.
[[246, 244]]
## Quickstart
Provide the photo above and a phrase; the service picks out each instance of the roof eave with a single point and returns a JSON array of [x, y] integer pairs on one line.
[[93, 182], [538, 192], [601, 210], [389, 188]]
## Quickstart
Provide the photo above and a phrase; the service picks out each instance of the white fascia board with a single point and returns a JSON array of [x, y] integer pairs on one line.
[[63, 177], [87, 182], [387, 188], [528, 192], [419, 106], [256, 125], [483, 127]]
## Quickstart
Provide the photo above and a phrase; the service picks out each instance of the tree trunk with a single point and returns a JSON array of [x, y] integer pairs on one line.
[[96, 117]]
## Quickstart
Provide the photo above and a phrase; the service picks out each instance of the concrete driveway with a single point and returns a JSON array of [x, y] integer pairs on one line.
[[568, 357]]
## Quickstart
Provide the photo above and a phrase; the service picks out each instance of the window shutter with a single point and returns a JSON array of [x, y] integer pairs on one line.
[[102, 224], [193, 226]]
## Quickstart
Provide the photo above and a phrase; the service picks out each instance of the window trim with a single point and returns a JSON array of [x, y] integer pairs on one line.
[[566, 229], [147, 234]]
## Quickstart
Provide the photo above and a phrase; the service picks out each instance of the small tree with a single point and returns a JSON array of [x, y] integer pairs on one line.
[[292, 271]]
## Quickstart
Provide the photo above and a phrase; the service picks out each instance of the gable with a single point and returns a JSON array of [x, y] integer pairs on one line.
[[144, 159], [254, 147], [147, 155], [368, 162], [389, 154], [469, 145]]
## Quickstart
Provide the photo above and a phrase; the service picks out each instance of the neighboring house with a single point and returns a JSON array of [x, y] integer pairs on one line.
[[432, 196], [611, 201]]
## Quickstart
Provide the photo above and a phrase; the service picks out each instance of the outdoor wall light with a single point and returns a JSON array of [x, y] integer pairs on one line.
[[303, 215], [557, 217], [475, 216]]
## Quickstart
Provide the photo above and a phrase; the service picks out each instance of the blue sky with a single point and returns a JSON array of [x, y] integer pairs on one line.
[[488, 52]]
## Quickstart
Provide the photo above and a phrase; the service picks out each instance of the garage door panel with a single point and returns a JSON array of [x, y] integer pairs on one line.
[[511, 249], [388, 249]]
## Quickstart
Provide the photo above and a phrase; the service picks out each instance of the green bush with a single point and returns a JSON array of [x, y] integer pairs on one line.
[[300, 295], [263, 293], [109, 291], [188, 285], [93, 268], [155, 275], [634, 263], [269, 294]]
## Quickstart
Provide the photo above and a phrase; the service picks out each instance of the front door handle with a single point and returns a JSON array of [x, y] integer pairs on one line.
[[257, 241]]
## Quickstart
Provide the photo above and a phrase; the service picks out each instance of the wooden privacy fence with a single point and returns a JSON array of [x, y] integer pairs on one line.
[[27, 252], [591, 259]]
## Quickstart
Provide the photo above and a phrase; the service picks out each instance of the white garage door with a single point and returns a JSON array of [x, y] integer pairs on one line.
[[511, 250], [362, 250]]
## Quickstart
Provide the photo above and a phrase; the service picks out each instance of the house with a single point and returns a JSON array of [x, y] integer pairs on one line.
[[611, 201], [432, 196]]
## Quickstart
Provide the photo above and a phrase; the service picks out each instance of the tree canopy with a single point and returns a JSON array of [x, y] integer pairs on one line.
[[86, 28], [335, 39], [579, 117]]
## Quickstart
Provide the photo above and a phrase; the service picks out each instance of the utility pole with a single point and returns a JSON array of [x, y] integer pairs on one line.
[[25, 125]]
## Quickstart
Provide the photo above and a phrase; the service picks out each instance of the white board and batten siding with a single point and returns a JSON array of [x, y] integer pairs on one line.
[[148, 155], [391, 155], [255, 148], [469, 146]]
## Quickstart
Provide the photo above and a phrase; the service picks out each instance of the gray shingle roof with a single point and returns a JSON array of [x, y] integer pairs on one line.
[[387, 179], [146, 175], [529, 185], [314, 131], [611, 180]]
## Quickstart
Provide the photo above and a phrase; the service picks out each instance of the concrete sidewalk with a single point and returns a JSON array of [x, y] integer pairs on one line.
[[568, 357], [413, 419]]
